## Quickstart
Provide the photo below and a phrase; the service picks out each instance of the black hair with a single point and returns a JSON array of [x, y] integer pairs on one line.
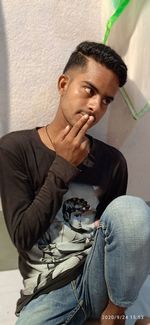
[[102, 54]]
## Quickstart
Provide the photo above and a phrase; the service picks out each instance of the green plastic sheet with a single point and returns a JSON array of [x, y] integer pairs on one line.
[[136, 115], [120, 6]]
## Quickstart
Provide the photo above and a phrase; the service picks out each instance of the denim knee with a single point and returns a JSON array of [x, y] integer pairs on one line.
[[129, 218]]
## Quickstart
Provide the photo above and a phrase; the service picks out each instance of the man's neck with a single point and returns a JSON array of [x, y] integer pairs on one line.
[[57, 125]]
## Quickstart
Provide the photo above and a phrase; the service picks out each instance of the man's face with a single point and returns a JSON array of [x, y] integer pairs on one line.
[[87, 90]]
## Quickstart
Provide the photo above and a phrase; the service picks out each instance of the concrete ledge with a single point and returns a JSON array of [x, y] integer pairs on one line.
[[8, 254]]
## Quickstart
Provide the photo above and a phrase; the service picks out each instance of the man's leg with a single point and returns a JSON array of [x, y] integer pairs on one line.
[[119, 260], [60, 306]]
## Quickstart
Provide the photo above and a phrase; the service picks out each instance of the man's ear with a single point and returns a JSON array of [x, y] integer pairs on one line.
[[63, 82]]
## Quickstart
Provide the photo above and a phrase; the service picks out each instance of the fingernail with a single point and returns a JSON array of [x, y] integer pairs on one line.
[[86, 115], [91, 117]]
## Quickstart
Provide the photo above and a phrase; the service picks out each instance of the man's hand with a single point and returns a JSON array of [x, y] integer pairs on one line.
[[144, 321], [71, 143]]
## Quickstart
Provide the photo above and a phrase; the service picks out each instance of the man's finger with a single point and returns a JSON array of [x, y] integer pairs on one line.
[[84, 128], [64, 132], [85, 145], [78, 125]]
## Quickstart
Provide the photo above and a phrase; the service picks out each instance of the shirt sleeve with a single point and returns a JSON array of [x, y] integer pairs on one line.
[[28, 215], [117, 185]]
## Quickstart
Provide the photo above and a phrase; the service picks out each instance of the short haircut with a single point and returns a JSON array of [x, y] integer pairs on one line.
[[102, 54]]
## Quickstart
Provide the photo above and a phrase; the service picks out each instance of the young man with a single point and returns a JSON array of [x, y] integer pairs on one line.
[[83, 245]]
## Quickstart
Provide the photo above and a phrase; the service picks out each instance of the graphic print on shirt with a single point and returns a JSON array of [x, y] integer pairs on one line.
[[70, 236]]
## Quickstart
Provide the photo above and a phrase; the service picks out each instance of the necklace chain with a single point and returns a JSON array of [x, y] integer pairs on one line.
[[46, 129]]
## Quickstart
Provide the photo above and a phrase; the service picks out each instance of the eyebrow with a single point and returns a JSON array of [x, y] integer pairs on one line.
[[96, 90]]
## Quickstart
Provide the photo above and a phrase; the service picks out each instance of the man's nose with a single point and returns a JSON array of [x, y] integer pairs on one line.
[[95, 104]]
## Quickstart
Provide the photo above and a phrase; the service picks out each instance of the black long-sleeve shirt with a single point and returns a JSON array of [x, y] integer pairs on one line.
[[34, 181]]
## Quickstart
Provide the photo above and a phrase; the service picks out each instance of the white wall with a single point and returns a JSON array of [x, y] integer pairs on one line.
[[36, 38]]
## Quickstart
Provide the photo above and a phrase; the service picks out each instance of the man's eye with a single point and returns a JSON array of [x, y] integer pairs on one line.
[[106, 101], [89, 90]]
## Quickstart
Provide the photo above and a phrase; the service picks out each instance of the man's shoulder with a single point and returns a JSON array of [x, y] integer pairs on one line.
[[103, 149], [15, 140]]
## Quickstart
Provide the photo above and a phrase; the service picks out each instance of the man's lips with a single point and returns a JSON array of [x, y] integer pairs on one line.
[[85, 113]]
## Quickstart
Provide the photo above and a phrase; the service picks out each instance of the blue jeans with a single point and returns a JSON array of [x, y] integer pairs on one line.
[[115, 269]]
